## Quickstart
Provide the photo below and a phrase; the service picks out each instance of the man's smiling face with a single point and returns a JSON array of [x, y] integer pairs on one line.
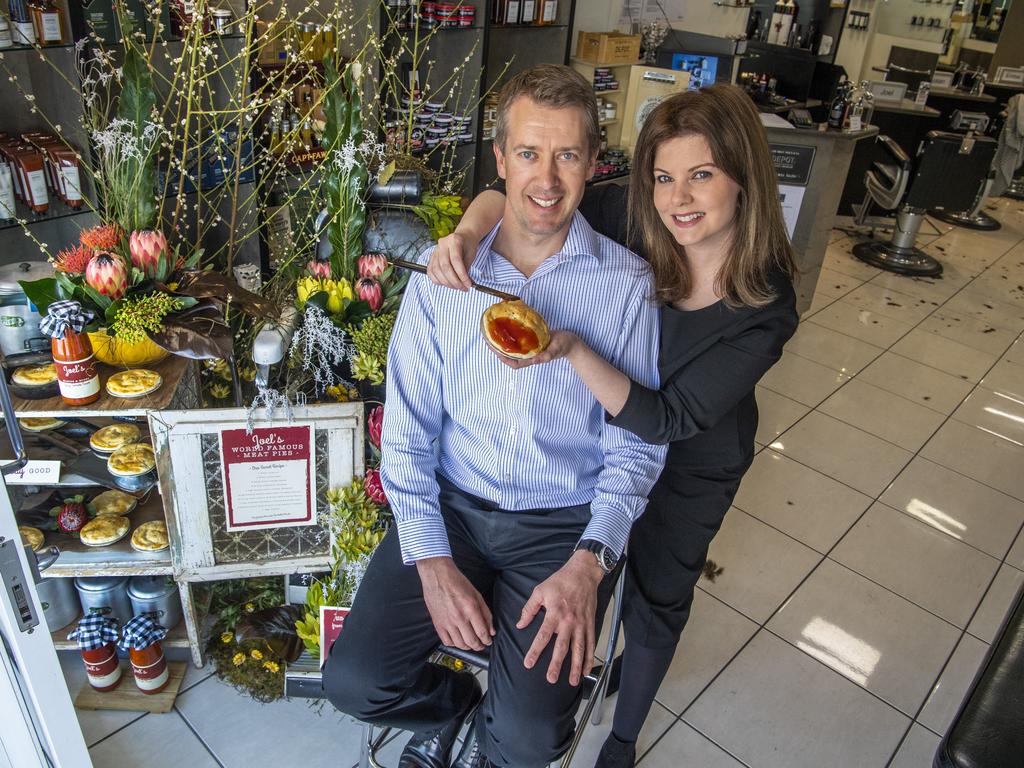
[[545, 164]]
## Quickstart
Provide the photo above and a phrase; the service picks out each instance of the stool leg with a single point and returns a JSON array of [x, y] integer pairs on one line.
[[609, 655], [364, 748]]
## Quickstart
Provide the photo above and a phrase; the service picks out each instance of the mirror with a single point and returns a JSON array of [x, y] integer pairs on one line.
[[988, 18]]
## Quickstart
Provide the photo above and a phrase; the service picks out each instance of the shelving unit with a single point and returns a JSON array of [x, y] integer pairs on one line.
[[620, 71], [86, 470]]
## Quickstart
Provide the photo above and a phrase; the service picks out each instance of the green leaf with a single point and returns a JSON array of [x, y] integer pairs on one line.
[[386, 173], [42, 293]]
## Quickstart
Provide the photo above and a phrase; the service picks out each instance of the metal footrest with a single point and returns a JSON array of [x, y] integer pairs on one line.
[[903, 261], [980, 221]]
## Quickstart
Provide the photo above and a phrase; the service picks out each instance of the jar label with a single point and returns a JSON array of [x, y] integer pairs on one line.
[[150, 676], [77, 378], [72, 183], [37, 188], [24, 33], [102, 666], [51, 28]]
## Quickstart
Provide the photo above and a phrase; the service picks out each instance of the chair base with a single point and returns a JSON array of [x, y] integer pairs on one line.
[[980, 220], [1016, 189], [903, 261]]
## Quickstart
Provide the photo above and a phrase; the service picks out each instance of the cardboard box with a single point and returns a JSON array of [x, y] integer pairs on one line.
[[647, 87], [608, 47]]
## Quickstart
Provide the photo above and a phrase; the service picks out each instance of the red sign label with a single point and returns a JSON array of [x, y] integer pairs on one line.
[[332, 620], [268, 477]]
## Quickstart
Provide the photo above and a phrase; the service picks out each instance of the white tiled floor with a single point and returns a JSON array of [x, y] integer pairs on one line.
[[873, 549]]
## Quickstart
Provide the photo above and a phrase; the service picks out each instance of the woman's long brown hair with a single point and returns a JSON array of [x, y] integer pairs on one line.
[[728, 121]]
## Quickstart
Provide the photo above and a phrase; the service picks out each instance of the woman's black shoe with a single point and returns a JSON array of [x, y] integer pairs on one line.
[[616, 754]]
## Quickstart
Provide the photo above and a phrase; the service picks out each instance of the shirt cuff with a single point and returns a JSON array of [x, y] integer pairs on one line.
[[610, 527], [423, 537]]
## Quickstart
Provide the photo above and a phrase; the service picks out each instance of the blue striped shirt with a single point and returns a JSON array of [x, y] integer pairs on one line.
[[531, 438]]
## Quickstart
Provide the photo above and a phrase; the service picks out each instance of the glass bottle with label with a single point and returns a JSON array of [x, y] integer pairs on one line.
[[72, 357], [46, 20], [548, 12]]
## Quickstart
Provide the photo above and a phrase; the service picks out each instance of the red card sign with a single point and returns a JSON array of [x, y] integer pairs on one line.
[[268, 477], [331, 622]]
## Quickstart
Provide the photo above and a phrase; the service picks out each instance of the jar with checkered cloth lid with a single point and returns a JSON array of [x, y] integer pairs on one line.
[[96, 635], [141, 639]]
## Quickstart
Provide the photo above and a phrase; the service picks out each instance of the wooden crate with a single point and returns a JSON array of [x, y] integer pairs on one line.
[[608, 47]]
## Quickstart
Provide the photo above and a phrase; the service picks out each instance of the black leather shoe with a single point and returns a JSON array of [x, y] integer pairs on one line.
[[616, 754], [433, 749], [471, 755]]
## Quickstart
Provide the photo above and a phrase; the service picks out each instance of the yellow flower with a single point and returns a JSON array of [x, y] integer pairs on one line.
[[226, 637], [220, 391], [271, 666], [249, 607], [256, 654], [306, 287], [237, 659], [339, 393]]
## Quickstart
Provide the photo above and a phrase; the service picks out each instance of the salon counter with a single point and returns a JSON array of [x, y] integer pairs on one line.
[[811, 166]]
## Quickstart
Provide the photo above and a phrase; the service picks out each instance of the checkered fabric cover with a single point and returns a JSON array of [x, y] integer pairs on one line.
[[141, 632], [62, 315], [94, 631]]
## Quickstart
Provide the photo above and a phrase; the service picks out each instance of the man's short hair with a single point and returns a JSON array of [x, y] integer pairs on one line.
[[551, 85]]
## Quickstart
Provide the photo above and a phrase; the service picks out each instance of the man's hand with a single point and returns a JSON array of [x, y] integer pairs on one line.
[[561, 345], [449, 262], [460, 614], [569, 600]]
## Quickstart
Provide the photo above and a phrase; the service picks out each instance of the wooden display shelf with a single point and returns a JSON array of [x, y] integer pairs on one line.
[[172, 368], [595, 65], [177, 637], [117, 559]]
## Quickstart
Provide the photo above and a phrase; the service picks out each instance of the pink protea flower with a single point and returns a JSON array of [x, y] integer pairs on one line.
[[319, 269], [374, 424], [372, 264], [373, 487], [107, 274], [147, 247], [369, 290]]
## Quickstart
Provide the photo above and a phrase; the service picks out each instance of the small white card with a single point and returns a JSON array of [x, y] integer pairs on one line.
[[36, 472]]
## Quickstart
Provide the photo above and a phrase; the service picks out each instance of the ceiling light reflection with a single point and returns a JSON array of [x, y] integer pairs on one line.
[[849, 656], [777, 445], [1004, 414], [1000, 436], [936, 518]]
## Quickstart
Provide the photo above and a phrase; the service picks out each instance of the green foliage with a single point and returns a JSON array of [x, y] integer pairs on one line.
[[345, 174], [441, 213], [371, 340], [134, 317], [136, 104]]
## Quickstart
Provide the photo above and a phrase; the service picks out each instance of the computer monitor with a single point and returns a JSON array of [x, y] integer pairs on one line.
[[703, 69]]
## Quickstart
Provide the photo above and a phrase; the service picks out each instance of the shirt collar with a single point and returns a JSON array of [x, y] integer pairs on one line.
[[581, 241]]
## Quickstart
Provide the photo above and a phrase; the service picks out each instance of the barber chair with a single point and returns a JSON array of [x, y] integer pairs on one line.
[[970, 123], [1016, 188], [946, 173], [595, 687]]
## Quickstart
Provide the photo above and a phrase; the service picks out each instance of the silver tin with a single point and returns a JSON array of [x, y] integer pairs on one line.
[[59, 601], [106, 595], [156, 595], [19, 318]]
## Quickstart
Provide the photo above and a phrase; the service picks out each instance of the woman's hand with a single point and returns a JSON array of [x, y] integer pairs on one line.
[[561, 345], [448, 262]]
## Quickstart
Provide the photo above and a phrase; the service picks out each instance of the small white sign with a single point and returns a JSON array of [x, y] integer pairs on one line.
[[36, 472], [1010, 75], [888, 91]]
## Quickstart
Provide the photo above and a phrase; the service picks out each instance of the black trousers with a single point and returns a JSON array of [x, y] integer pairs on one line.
[[377, 671], [668, 547]]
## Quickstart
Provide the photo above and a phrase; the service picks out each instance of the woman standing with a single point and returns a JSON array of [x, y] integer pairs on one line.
[[703, 208]]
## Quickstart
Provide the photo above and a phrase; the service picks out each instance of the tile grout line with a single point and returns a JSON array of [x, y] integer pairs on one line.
[[188, 724]]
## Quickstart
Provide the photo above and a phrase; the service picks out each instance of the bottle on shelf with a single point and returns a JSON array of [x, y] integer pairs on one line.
[[23, 32], [840, 103], [73, 357], [548, 12], [46, 21], [788, 17], [775, 24]]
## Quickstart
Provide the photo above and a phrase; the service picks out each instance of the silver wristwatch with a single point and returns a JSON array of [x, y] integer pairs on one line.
[[606, 558]]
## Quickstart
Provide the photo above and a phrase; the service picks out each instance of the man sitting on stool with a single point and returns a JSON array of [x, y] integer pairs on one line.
[[511, 495]]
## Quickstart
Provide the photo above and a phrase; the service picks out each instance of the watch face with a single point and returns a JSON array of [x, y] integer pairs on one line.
[[608, 560]]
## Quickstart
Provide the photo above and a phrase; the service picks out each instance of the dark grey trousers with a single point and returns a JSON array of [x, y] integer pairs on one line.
[[377, 671]]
